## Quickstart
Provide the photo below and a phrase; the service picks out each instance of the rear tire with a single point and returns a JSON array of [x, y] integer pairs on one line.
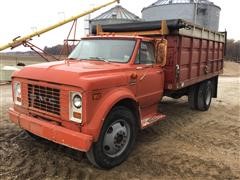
[[193, 97], [204, 96], [116, 139]]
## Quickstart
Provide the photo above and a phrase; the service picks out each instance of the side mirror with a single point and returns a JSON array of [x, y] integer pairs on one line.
[[161, 51]]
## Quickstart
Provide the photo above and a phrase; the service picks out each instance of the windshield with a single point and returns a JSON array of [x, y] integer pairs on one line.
[[104, 50]]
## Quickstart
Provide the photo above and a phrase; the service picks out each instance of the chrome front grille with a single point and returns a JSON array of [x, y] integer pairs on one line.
[[44, 98]]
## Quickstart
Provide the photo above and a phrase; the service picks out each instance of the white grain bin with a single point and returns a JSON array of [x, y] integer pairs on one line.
[[201, 12]]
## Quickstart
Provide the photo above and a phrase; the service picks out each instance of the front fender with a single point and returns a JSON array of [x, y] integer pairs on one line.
[[108, 102]]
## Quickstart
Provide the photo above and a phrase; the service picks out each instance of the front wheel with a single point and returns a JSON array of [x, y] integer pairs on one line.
[[116, 139]]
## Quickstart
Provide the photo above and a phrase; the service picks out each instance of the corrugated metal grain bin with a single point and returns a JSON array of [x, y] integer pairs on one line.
[[201, 12]]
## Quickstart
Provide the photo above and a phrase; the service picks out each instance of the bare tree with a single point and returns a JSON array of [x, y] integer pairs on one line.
[[233, 50]]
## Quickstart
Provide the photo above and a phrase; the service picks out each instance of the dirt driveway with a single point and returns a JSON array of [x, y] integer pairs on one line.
[[187, 145]]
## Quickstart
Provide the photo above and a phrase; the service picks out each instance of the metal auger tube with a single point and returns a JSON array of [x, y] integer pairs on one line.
[[20, 40]]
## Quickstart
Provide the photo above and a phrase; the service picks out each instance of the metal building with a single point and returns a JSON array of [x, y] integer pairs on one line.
[[201, 12], [116, 15]]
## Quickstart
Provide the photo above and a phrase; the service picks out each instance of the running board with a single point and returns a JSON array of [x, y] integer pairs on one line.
[[152, 119]]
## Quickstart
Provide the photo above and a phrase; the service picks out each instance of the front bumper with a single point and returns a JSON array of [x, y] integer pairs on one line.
[[52, 132]]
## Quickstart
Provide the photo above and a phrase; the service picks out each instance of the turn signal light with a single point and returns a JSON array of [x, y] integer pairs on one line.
[[77, 115]]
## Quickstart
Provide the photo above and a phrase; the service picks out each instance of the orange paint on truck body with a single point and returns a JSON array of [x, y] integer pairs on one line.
[[112, 82], [47, 89]]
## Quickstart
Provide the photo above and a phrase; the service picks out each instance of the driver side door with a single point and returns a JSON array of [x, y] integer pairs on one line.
[[150, 75]]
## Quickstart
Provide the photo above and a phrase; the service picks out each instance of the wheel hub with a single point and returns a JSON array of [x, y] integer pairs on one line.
[[116, 138]]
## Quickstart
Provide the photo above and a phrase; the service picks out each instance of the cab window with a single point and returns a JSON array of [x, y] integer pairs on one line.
[[145, 54]]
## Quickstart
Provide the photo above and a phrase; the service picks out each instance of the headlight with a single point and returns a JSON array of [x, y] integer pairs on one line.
[[77, 101], [17, 96], [75, 107]]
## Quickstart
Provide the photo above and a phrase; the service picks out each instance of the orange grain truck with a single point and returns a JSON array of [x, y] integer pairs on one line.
[[110, 86]]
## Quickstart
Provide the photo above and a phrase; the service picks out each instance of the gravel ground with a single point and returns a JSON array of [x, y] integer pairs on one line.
[[187, 145]]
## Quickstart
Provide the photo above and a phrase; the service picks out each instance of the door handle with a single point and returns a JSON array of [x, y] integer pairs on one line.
[[139, 68]]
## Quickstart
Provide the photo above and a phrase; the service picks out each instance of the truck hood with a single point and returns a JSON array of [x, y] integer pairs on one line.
[[88, 75]]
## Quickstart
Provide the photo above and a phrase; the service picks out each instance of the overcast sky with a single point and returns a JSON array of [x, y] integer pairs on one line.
[[20, 17]]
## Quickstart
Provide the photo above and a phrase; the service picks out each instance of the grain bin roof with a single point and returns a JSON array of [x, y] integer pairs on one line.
[[117, 12], [169, 2], [164, 2]]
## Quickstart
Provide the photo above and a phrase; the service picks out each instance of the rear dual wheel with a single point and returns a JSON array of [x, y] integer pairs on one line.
[[200, 96], [204, 96], [192, 97], [116, 139]]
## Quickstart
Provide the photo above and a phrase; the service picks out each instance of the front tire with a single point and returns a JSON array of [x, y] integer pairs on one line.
[[116, 139]]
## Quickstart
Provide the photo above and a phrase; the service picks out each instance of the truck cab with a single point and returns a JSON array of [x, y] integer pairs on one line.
[[97, 99]]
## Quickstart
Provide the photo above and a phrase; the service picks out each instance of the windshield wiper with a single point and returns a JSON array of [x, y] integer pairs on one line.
[[99, 58], [73, 59]]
